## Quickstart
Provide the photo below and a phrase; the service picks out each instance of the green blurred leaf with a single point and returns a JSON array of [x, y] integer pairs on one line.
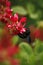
[[5, 63], [32, 59], [38, 47], [37, 15], [36, 60], [25, 47], [24, 62], [34, 15], [15, 39], [33, 12], [30, 8], [20, 10], [39, 59], [40, 24]]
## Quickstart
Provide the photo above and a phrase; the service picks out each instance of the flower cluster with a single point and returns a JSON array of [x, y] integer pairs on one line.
[[12, 22], [5, 3]]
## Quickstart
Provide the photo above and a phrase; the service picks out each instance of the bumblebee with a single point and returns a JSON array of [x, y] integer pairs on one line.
[[26, 35]]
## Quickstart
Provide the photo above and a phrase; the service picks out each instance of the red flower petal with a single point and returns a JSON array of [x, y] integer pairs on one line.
[[23, 19], [15, 61], [8, 4], [13, 50], [37, 33]]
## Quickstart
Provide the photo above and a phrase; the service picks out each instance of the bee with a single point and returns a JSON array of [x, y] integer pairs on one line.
[[26, 35]]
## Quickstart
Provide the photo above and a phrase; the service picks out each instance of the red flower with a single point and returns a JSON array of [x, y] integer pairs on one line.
[[5, 2], [8, 4], [8, 10], [12, 21], [15, 61], [12, 50], [16, 25], [37, 33], [14, 18], [23, 19]]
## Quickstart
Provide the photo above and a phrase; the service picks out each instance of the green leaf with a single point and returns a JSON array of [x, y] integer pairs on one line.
[[30, 8], [39, 59], [15, 39], [40, 24], [37, 15], [20, 10], [24, 62], [25, 47], [32, 59], [24, 55], [38, 47], [36, 60], [33, 13], [25, 52], [5, 63]]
